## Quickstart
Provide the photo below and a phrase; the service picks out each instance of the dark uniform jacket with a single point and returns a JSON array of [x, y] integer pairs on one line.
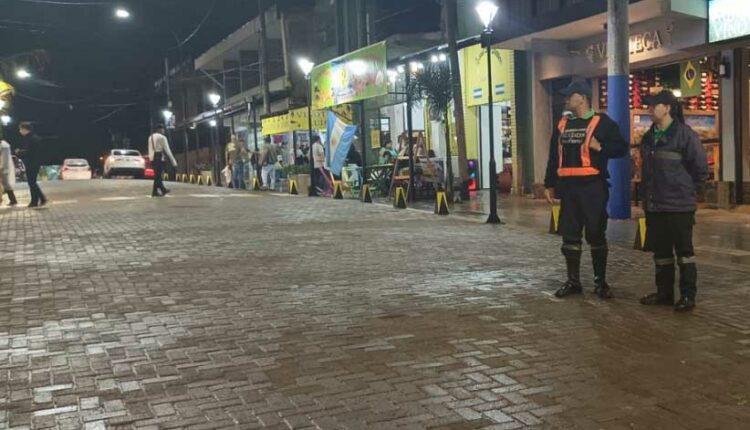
[[31, 150], [606, 132], [674, 167]]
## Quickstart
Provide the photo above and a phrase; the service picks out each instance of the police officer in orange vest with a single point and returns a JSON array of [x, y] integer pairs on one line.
[[581, 145]]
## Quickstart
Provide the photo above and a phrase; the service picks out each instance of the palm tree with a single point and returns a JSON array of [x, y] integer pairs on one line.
[[449, 8], [433, 86]]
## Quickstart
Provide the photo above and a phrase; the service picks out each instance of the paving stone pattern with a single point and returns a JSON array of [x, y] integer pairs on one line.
[[214, 309]]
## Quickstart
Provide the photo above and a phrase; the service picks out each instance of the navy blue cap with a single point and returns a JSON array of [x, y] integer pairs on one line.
[[577, 86], [665, 97]]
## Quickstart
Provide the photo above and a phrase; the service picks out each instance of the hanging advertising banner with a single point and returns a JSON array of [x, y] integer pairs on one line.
[[728, 19], [355, 76], [296, 120], [339, 139], [475, 72]]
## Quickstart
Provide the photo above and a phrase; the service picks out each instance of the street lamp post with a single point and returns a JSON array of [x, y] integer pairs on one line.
[[215, 99], [307, 66], [487, 11]]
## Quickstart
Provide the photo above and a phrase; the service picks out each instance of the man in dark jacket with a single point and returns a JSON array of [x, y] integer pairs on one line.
[[31, 154], [674, 167], [581, 145]]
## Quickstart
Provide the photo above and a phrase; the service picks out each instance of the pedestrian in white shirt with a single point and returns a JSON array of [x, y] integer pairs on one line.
[[320, 176], [7, 173], [159, 152]]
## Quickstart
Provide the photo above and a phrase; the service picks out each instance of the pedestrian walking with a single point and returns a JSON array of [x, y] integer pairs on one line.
[[7, 173], [238, 158], [31, 152], [320, 175], [270, 158], [159, 153], [580, 147], [674, 168]]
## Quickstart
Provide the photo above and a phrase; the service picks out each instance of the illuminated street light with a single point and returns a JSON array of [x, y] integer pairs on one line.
[[677, 93], [23, 74], [486, 11], [214, 99], [442, 57], [212, 123], [306, 66], [122, 13], [5, 119]]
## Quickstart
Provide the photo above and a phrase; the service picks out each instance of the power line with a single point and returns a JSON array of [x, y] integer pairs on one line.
[[66, 3], [197, 29]]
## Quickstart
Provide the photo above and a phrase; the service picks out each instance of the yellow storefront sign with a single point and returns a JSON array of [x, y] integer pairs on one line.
[[296, 120], [475, 72]]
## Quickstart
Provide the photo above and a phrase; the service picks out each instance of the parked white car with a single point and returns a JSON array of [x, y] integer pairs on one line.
[[124, 162], [75, 169]]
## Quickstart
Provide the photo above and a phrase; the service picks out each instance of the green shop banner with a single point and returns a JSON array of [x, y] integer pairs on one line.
[[352, 77]]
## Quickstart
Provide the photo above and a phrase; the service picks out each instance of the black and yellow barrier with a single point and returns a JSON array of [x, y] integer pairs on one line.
[[441, 204], [365, 195], [256, 184], [209, 180], [338, 193], [640, 242], [293, 187], [554, 220], [192, 179], [165, 177], [400, 201]]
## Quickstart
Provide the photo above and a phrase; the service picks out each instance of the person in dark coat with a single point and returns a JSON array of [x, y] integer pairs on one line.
[[31, 152], [581, 145], [674, 168]]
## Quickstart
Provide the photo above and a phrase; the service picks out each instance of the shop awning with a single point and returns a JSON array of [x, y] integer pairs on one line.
[[296, 120]]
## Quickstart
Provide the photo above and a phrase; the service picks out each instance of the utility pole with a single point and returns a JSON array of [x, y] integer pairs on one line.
[[618, 71], [264, 59]]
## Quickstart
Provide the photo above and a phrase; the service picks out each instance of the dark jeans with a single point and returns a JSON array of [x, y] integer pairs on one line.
[[36, 193], [158, 166], [584, 207], [670, 233]]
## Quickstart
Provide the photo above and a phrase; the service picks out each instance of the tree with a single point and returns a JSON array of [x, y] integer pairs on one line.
[[449, 33], [433, 86]]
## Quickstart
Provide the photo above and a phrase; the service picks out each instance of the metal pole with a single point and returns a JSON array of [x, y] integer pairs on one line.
[[618, 65], [311, 190], [493, 218], [187, 149], [258, 173], [363, 133], [410, 137]]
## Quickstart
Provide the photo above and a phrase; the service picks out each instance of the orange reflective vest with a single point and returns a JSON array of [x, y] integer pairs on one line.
[[586, 169]]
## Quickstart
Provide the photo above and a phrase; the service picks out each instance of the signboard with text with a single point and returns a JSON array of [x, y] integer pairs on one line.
[[728, 19], [359, 75]]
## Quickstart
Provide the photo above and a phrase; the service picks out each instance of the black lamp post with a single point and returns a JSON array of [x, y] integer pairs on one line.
[[487, 11], [307, 66]]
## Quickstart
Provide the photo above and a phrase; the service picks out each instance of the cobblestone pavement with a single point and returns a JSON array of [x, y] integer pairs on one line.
[[213, 309]]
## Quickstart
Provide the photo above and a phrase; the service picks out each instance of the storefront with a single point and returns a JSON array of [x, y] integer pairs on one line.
[[665, 54], [476, 115], [729, 30]]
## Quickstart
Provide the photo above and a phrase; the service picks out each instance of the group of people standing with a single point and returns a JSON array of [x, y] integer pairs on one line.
[[674, 168], [30, 150]]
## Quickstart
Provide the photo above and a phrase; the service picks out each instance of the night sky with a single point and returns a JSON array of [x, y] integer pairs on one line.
[[95, 63]]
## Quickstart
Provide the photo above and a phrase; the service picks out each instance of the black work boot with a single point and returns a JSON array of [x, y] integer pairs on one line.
[[599, 259], [573, 263], [688, 287], [664, 295]]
